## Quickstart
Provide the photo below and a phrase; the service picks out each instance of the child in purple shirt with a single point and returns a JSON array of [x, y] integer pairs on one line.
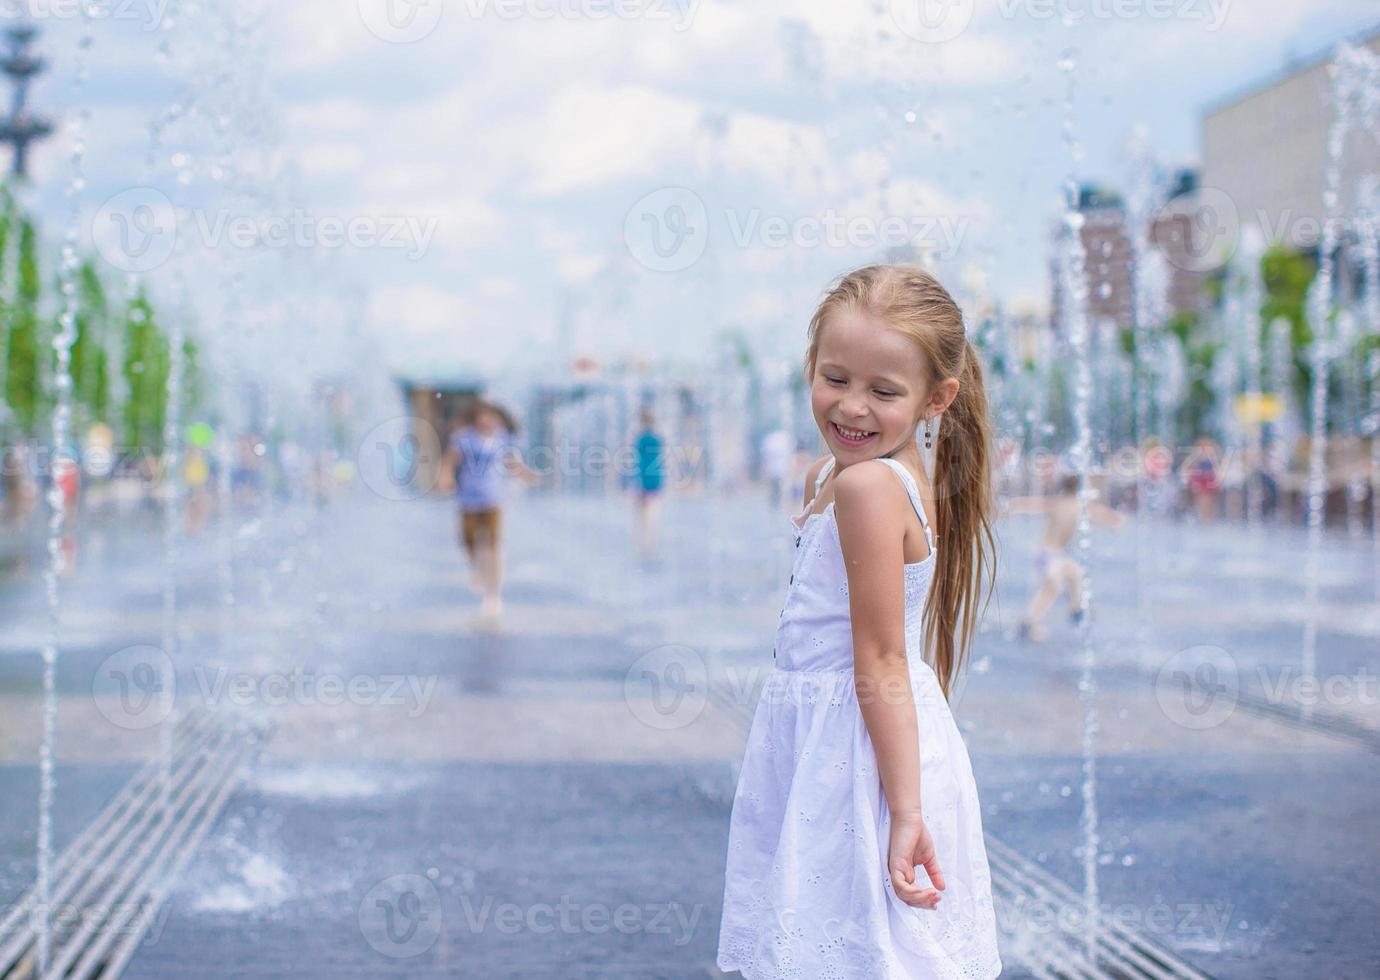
[[481, 453]]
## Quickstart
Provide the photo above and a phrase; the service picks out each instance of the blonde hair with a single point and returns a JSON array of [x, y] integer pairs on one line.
[[910, 300]]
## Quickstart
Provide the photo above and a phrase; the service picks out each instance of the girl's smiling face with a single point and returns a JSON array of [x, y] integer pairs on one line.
[[867, 393]]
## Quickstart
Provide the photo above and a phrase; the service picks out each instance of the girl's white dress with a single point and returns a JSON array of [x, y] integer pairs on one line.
[[806, 890]]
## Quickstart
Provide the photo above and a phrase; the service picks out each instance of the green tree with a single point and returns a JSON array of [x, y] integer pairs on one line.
[[1200, 354], [1287, 276], [23, 384], [146, 370], [90, 367]]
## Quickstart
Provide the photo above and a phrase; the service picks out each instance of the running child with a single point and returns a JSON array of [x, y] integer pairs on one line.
[[482, 451], [855, 843], [1057, 570]]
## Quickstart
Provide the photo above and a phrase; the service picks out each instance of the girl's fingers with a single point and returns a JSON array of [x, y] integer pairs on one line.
[[921, 898], [912, 894], [936, 876]]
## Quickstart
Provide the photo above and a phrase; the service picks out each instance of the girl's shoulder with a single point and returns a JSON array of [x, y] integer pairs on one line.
[[875, 476], [886, 480]]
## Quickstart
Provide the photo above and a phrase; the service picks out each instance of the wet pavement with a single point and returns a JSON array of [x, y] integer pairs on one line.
[[441, 798]]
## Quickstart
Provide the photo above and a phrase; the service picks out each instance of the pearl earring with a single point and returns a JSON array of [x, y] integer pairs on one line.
[[929, 432]]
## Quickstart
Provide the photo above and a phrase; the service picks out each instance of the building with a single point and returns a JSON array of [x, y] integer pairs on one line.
[[434, 404], [1111, 296], [1182, 237], [1265, 149]]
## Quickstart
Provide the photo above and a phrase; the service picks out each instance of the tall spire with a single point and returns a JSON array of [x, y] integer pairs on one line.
[[20, 128]]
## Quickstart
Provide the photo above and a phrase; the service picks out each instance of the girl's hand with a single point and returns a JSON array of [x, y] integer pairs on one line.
[[911, 845]]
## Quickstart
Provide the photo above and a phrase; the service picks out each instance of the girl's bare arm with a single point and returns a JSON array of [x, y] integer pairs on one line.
[[1104, 515], [870, 507], [516, 466], [1027, 505], [445, 473]]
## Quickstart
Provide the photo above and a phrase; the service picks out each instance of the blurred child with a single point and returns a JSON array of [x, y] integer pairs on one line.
[[651, 465], [481, 453], [1055, 567]]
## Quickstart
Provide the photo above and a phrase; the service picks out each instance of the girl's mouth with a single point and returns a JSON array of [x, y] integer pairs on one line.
[[851, 437]]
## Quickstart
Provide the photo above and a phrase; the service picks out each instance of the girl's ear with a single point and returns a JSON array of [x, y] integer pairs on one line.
[[943, 396]]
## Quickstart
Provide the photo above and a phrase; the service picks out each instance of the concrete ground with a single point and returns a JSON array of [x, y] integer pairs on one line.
[[440, 798]]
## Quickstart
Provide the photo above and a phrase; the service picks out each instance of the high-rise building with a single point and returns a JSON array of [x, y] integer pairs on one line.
[[1265, 153], [1111, 297], [1182, 232]]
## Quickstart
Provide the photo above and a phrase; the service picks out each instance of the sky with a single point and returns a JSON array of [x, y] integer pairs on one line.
[[527, 181]]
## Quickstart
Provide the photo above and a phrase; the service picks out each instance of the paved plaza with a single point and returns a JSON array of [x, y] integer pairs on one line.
[[436, 796]]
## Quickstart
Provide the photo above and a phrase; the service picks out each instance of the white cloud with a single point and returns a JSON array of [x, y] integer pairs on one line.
[[592, 135]]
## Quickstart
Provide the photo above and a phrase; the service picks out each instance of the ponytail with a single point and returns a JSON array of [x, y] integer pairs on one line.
[[963, 498]]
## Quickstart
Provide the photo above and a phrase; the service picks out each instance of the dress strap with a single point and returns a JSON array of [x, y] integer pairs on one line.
[[913, 492], [824, 471]]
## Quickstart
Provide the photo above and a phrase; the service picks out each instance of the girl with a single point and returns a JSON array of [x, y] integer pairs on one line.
[[480, 453], [831, 817]]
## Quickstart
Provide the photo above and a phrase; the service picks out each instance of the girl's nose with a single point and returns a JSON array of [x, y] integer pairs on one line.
[[854, 408]]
